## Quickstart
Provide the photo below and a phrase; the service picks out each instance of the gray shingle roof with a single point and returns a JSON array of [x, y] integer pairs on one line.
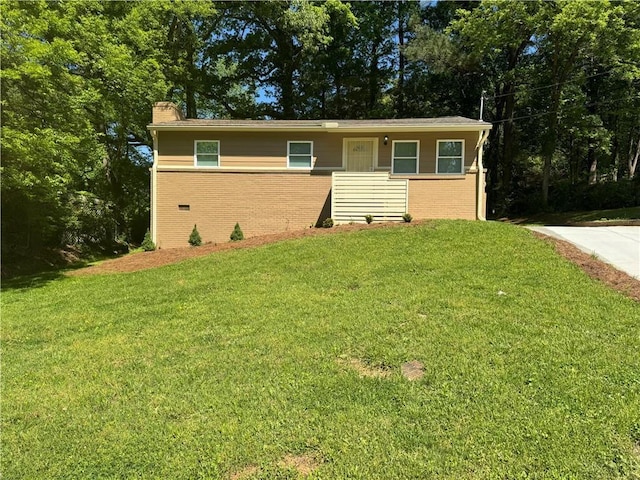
[[321, 124]]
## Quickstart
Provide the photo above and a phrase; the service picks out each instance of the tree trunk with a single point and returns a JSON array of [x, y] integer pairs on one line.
[[549, 146], [190, 100], [491, 164], [286, 85], [633, 159], [508, 143], [190, 86], [593, 167], [495, 150], [323, 103], [373, 80], [401, 62], [615, 157], [337, 102]]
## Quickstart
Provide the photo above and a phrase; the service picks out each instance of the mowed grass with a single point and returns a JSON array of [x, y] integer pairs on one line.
[[222, 366]]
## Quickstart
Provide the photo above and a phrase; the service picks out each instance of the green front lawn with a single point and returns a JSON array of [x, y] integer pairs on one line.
[[232, 362]]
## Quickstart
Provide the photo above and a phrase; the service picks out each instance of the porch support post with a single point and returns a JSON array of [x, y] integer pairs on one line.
[[154, 188]]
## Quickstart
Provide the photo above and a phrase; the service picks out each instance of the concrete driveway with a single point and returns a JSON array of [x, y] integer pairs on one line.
[[619, 246]]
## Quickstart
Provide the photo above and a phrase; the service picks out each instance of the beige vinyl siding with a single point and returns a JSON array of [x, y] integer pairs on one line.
[[269, 149], [249, 149]]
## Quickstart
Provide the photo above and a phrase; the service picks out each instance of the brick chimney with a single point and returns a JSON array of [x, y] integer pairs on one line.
[[166, 112]]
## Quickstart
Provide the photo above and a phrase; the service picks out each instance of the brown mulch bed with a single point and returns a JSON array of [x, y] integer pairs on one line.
[[595, 268], [158, 258], [144, 260]]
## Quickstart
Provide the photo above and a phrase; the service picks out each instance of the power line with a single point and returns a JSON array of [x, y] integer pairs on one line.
[[549, 86], [541, 114]]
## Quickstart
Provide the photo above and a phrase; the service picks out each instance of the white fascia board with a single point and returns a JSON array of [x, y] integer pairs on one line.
[[232, 128], [410, 129], [322, 128]]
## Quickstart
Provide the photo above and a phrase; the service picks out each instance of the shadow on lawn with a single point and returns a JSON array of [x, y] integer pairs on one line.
[[23, 270], [36, 280], [629, 216], [37, 277]]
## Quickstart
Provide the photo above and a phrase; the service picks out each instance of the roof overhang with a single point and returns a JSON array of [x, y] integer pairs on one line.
[[332, 128], [412, 128]]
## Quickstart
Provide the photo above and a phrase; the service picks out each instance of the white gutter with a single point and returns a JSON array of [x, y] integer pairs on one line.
[[409, 128], [328, 127], [154, 188], [480, 211]]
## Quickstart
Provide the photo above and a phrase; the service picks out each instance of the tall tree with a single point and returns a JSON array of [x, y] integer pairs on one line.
[[541, 63], [441, 78], [571, 32], [272, 40], [501, 34], [73, 85], [179, 33], [350, 75], [50, 149]]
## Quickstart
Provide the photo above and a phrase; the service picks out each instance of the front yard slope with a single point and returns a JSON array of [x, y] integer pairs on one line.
[[284, 361]]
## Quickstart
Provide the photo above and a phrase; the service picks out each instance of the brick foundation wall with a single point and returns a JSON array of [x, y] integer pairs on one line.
[[260, 202], [453, 198]]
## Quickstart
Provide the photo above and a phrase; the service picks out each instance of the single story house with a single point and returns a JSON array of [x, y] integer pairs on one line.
[[275, 175]]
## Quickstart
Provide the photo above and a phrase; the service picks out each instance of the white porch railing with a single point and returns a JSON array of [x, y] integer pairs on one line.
[[356, 194]]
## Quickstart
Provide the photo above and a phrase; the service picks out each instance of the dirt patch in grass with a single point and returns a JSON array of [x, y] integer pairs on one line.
[[158, 258], [364, 369], [246, 472], [413, 370], [595, 268], [303, 464]]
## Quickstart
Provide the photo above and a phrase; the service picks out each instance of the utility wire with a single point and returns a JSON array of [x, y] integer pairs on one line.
[[541, 114], [549, 86]]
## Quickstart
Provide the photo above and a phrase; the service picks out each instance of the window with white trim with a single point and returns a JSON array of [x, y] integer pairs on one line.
[[299, 154], [405, 157], [206, 153], [450, 157]]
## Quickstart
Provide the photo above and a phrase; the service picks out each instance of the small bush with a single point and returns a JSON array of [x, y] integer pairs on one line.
[[237, 234], [407, 217], [368, 218], [327, 223], [147, 244], [194, 239]]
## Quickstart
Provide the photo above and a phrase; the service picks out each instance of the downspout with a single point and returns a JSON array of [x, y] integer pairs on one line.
[[154, 188], [480, 204]]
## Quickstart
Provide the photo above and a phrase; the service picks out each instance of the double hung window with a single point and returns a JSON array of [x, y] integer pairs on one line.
[[450, 158], [207, 153], [405, 156], [299, 154]]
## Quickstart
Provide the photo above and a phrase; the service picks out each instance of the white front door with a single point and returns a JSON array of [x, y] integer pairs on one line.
[[360, 154]]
